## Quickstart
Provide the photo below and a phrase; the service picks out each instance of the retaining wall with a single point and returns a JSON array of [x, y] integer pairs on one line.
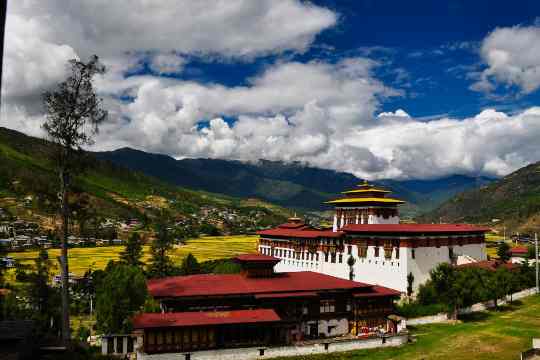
[[256, 353]]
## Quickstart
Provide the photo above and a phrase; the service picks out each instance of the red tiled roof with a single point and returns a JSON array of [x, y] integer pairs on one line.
[[236, 284], [378, 291], [257, 258], [200, 318], [292, 225], [491, 265], [413, 228], [519, 250], [295, 233], [287, 295]]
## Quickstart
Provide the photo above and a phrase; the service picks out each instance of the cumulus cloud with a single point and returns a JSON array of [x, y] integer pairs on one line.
[[512, 56], [320, 112]]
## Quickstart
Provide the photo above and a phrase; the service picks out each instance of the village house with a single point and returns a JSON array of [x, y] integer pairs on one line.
[[260, 308], [368, 243]]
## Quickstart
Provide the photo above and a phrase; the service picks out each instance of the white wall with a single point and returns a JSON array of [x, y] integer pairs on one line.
[[390, 273]]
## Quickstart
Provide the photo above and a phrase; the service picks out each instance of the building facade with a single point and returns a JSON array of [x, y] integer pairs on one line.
[[368, 244], [259, 307]]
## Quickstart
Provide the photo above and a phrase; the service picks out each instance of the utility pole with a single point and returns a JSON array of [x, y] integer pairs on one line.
[[536, 262]]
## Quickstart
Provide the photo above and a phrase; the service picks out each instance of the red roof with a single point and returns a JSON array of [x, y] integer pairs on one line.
[[378, 291], [292, 225], [300, 233], [287, 295], [413, 228], [200, 318], [491, 265], [519, 250], [257, 258], [236, 284]]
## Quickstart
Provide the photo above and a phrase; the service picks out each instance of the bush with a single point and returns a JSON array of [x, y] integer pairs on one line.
[[414, 309]]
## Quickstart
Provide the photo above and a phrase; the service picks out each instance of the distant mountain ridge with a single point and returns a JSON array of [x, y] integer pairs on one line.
[[293, 185], [512, 202], [112, 190]]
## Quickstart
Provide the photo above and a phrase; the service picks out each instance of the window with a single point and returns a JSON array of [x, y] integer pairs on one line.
[[349, 249], [362, 250], [376, 251], [333, 258], [340, 258], [413, 254], [326, 257], [397, 252], [328, 306]]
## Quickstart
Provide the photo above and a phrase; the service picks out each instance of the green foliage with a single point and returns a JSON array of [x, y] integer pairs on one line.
[[132, 255], [161, 264], [120, 294], [190, 265], [415, 309], [457, 288], [503, 252], [410, 283], [209, 229]]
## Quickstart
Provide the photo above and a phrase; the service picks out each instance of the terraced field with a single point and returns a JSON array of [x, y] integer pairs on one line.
[[204, 248]]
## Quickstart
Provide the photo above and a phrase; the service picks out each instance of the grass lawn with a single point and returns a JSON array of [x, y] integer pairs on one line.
[[493, 335], [204, 248]]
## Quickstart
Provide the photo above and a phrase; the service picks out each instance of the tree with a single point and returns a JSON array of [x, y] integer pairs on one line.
[[43, 299], [160, 262], [351, 261], [410, 282], [503, 252], [133, 252], [190, 265], [120, 294], [73, 115]]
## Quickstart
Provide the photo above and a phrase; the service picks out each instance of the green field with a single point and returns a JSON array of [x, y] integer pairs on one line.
[[204, 248], [493, 335]]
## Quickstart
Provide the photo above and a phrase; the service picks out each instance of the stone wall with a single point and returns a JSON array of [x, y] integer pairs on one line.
[[283, 351]]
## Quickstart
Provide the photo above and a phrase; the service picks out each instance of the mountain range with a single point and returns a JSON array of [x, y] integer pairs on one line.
[[512, 202], [110, 190], [293, 185]]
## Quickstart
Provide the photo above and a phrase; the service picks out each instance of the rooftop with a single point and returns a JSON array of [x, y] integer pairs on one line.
[[236, 284], [491, 265], [414, 228], [200, 318], [300, 233], [349, 200]]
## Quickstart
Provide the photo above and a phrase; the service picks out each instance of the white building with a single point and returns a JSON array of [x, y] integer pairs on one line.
[[368, 244]]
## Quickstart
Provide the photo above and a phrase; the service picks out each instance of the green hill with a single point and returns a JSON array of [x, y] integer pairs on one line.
[[111, 190], [513, 201]]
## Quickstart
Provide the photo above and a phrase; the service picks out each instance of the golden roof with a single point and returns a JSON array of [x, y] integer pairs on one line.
[[365, 200], [368, 190]]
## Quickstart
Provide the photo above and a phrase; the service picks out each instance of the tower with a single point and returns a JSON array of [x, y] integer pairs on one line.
[[366, 204]]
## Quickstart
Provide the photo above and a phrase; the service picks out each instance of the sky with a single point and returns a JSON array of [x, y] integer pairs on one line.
[[380, 89]]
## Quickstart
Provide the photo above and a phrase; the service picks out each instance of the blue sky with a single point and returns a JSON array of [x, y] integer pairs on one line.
[[423, 46], [381, 89]]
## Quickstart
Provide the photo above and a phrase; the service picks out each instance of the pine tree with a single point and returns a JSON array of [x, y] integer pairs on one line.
[[503, 252], [190, 265], [133, 252], [160, 263], [73, 115]]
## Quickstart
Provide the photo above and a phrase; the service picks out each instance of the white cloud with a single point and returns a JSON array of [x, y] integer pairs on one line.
[[512, 56], [167, 63], [41, 35]]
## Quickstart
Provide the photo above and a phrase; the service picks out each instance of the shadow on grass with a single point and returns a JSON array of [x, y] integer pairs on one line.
[[475, 317]]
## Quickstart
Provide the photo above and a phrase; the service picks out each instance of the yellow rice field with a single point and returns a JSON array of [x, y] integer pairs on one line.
[[204, 248]]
